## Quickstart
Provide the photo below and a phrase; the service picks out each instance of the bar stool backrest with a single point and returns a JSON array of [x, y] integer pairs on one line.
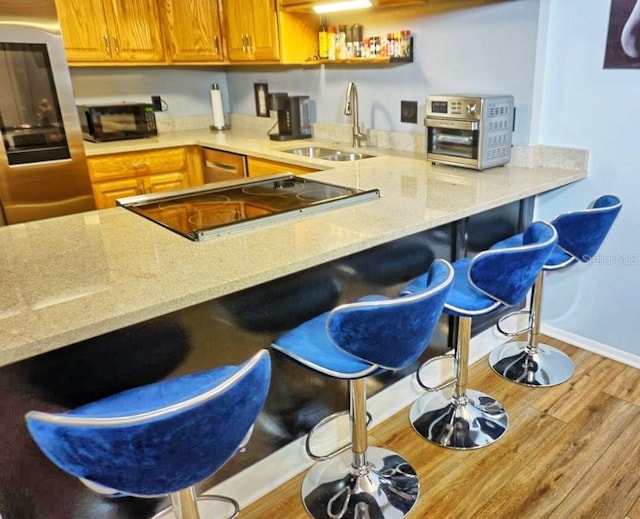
[[581, 233], [160, 438], [507, 274], [392, 333]]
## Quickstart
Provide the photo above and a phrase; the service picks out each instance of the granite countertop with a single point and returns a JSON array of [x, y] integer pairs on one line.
[[67, 279]]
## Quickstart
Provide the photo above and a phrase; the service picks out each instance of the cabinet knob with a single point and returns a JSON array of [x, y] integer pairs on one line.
[[116, 45]]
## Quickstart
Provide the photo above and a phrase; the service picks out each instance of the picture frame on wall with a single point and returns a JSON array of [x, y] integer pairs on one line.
[[623, 37]]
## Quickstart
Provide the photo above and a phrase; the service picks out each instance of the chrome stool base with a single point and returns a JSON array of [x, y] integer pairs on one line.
[[334, 489], [468, 422], [515, 361]]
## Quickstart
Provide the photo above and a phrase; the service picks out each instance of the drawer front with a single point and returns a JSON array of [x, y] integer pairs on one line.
[[137, 163], [222, 165]]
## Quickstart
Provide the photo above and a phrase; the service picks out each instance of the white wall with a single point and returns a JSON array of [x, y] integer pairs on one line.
[[185, 90], [488, 49], [586, 106]]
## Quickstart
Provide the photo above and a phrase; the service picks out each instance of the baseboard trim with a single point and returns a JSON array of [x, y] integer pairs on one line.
[[590, 345], [266, 475]]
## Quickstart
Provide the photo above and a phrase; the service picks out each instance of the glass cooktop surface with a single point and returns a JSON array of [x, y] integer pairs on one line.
[[209, 211]]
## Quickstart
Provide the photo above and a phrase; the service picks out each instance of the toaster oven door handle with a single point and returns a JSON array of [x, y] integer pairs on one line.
[[451, 124]]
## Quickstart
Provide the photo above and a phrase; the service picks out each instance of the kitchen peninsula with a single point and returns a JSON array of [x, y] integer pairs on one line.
[[98, 302], [72, 278]]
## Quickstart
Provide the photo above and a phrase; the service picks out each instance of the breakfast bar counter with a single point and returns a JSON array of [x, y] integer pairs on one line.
[[71, 278]]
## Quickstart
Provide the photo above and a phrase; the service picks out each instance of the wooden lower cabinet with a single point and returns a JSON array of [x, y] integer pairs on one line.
[[106, 193], [121, 175], [165, 182], [263, 167]]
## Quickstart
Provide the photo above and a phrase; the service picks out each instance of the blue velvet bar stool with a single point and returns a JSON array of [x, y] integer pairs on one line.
[[352, 342], [159, 439], [462, 418], [580, 235]]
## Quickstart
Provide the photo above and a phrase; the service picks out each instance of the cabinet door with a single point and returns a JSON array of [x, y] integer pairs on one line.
[[251, 30], [264, 38], [193, 30], [84, 41], [106, 193], [238, 24], [163, 182], [135, 30]]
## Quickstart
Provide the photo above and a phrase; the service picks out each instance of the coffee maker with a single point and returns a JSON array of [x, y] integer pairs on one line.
[[293, 116]]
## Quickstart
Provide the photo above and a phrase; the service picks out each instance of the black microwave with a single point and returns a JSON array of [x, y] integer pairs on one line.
[[117, 122]]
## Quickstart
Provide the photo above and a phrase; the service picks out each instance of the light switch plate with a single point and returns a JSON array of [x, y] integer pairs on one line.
[[409, 112]]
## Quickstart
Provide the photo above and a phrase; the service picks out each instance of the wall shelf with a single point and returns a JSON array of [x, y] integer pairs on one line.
[[357, 61]]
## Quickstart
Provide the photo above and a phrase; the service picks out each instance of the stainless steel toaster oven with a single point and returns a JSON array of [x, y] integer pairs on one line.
[[471, 131]]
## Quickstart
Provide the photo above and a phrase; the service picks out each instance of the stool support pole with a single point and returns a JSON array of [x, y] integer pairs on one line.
[[184, 504], [534, 314], [358, 417], [462, 356]]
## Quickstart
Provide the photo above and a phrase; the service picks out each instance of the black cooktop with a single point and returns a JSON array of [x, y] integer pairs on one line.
[[208, 211]]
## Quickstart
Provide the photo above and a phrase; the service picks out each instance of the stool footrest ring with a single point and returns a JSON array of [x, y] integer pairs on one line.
[[442, 386], [517, 332], [324, 421]]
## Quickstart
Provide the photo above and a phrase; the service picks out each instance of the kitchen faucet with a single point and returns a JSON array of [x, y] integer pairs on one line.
[[351, 108]]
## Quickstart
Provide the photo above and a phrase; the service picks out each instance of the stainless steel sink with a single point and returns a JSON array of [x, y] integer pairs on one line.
[[345, 156], [314, 152], [317, 152]]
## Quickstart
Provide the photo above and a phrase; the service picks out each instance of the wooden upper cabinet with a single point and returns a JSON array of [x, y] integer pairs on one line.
[[184, 31], [298, 36], [251, 30], [193, 32], [264, 41], [111, 31], [84, 41], [136, 34]]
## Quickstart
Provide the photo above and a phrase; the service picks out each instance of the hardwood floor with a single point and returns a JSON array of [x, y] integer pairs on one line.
[[571, 451]]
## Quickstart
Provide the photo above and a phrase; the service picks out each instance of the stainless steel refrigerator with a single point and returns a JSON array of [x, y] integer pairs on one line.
[[43, 171]]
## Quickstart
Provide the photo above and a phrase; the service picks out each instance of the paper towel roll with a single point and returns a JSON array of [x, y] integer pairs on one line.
[[216, 107]]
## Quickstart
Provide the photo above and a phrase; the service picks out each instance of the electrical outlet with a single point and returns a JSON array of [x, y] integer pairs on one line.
[[156, 101], [409, 112]]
